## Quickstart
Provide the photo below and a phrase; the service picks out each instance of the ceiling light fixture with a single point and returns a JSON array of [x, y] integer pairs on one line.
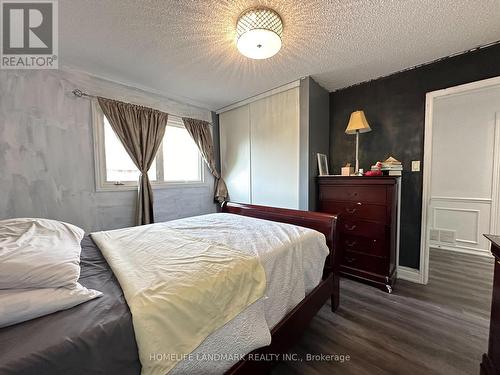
[[259, 33]]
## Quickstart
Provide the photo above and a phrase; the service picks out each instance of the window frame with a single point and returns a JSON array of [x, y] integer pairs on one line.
[[102, 185]]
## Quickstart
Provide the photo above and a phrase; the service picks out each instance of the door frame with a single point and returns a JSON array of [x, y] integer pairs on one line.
[[430, 97]]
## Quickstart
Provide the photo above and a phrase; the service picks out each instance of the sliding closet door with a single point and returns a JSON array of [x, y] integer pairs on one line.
[[274, 145], [235, 153]]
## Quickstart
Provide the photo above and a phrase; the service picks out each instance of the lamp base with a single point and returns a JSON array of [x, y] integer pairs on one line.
[[356, 171]]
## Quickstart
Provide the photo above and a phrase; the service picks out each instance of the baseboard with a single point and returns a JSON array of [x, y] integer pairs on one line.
[[481, 253], [410, 274]]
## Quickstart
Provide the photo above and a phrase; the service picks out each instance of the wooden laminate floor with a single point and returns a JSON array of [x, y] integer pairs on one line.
[[439, 328]]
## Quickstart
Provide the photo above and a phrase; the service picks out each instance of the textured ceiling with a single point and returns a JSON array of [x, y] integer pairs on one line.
[[186, 49]]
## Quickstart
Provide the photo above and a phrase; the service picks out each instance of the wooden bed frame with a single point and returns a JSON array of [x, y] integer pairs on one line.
[[289, 330]]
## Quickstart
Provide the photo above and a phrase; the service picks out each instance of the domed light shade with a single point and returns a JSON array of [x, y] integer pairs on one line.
[[259, 33]]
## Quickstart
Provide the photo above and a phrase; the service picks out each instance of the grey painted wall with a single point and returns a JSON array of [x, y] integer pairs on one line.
[[319, 135], [314, 138], [304, 143], [46, 153]]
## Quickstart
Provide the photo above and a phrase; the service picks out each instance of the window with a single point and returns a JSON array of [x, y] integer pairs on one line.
[[178, 161]]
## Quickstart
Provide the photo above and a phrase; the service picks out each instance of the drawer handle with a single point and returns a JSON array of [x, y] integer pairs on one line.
[[349, 259], [350, 227], [350, 243], [351, 210], [353, 194]]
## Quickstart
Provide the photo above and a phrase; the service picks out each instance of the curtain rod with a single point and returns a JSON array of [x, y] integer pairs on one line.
[[79, 93]]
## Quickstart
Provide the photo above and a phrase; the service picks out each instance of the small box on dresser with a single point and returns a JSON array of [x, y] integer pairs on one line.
[[368, 222]]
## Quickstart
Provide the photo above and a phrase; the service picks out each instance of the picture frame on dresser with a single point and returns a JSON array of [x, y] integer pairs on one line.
[[322, 164], [368, 214]]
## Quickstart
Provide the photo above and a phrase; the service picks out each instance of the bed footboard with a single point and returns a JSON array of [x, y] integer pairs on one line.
[[289, 330], [324, 223]]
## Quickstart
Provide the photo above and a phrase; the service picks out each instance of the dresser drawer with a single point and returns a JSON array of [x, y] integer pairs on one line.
[[356, 210], [367, 229], [364, 245], [355, 193], [365, 263]]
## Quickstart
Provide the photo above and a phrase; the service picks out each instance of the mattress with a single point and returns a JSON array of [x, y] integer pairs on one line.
[[98, 336]]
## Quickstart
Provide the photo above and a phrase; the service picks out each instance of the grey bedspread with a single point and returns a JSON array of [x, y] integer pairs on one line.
[[96, 337]]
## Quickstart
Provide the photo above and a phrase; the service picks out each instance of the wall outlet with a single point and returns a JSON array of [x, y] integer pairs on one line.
[[415, 165]]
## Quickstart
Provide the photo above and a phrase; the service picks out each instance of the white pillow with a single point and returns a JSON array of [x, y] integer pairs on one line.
[[19, 305], [39, 253]]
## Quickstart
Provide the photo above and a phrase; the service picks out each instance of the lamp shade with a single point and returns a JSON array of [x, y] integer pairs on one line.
[[357, 123]]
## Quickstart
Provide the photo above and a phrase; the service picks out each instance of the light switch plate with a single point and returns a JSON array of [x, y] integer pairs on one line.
[[415, 165]]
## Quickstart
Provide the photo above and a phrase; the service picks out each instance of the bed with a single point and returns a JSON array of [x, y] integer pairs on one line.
[[98, 336]]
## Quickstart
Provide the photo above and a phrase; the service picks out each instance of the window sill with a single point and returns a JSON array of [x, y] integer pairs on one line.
[[160, 186]]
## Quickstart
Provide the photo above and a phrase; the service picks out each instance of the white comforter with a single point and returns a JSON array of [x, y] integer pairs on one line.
[[293, 259], [179, 289]]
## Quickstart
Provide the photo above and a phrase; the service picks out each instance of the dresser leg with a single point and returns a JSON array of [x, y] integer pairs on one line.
[[389, 288], [335, 302]]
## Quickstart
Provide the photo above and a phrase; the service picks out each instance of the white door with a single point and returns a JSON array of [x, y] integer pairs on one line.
[[274, 149], [464, 170], [259, 145], [235, 153]]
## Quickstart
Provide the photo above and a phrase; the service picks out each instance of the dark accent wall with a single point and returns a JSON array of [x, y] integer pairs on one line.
[[395, 109]]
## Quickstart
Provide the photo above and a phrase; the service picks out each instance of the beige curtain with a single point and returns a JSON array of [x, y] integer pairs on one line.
[[201, 134], [141, 131]]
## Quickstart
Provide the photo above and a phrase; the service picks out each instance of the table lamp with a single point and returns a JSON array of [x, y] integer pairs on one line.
[[357, 124]]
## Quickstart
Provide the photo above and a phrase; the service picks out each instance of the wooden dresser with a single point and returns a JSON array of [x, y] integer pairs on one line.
[[491, 361], [368, 225]]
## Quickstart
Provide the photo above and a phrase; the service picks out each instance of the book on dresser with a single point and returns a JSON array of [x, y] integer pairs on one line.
[[369, 225]]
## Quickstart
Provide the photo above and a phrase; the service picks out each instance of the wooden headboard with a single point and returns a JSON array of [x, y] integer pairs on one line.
[[324, 223]]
